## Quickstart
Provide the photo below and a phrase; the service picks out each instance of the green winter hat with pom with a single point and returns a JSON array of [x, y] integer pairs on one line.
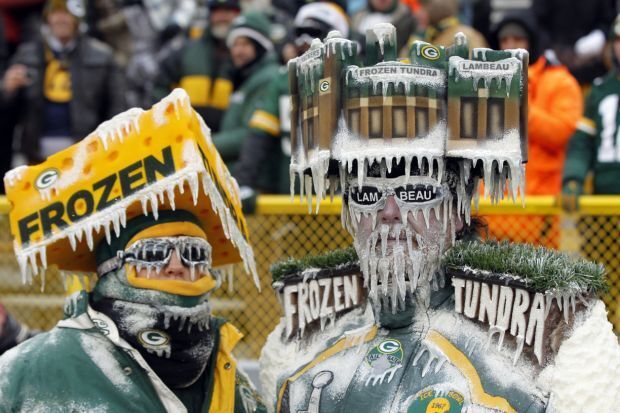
[[252, 25]]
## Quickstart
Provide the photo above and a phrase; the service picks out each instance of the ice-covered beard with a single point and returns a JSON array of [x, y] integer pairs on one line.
[[402, 260], [397, 263]]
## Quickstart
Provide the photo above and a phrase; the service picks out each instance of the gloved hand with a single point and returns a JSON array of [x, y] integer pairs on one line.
[[591, 44], [248, 199], [571, 191]]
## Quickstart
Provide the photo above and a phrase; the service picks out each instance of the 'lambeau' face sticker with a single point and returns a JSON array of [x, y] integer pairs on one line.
[[437, 401]]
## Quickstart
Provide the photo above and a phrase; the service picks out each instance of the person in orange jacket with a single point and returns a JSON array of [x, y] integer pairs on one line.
[[555, 104]]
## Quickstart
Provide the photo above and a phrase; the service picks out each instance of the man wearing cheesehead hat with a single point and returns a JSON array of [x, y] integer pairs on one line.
[[460, 325], [146, 203]]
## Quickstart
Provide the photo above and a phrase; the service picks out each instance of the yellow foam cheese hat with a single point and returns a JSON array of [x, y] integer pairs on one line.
[[138, 162]]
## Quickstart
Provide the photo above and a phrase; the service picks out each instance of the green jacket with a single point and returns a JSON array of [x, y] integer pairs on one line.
[[202, 69], [235, 124], [267, 150], [595, 146], [82, 365], [414, 362]]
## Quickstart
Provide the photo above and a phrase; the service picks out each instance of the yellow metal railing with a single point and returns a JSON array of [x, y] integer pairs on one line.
[[281, 228]]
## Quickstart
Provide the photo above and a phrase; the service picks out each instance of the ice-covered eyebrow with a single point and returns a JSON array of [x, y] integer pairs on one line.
[[398, 181]]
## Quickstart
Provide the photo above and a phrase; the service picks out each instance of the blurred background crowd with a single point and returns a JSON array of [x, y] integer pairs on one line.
[[68, 65]]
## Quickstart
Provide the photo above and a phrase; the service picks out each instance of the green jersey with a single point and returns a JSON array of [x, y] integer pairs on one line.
[[595, 146], [267, 151]]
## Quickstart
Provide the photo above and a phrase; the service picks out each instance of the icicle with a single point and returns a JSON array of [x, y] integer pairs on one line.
[[426, 214], [385, 229], [566, 306], [292, 175], [144, 202], [72, 240], [116, 225], [89, 239], [308, 180], [384, 272], [361, 172], [170, 194], [193, 185], [519, 350]]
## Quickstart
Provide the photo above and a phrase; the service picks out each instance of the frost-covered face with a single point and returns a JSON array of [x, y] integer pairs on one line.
[[170, 258], [401, 226]]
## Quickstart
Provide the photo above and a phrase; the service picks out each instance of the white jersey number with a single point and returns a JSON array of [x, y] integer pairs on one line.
[[609, 150]]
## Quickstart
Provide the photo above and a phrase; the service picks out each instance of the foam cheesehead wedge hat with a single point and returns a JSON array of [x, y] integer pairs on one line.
[[139, 163], [440, 106]]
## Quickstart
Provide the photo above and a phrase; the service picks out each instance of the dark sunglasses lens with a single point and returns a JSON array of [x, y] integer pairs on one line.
[[194, 254], [416, 193], [158, 254], [368, 195]]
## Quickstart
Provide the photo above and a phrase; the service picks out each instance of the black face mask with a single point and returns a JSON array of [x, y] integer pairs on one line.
[[176, 342]]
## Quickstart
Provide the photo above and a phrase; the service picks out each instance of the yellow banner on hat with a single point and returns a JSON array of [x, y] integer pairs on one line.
[[139, 162]]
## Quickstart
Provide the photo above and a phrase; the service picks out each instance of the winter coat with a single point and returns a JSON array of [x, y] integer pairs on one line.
[[83, 366], [202, 68], [97, 87], [446, 358], [594, 146], [412, 361], [234, 127], [555, 105], [266, 153]]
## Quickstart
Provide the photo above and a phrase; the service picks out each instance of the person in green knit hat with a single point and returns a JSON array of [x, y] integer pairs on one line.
[[254, 66], [144, 339]]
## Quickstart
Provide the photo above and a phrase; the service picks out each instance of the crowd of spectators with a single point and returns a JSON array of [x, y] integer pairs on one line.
[[68, 65]]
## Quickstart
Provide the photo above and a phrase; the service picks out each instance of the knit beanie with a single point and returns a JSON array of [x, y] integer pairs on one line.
[[106, 250], [254, 26]]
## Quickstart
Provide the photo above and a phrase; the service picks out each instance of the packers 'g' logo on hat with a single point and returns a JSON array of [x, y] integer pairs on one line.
[[47, 178], [430, 52]]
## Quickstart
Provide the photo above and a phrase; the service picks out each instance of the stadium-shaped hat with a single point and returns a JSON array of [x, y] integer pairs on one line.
[[436, 105], [139, 162]]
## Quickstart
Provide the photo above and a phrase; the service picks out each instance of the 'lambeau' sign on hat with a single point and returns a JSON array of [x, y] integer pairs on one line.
[[136, 163]]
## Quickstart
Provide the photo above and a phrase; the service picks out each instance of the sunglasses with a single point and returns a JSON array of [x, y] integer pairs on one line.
[[156, 252], [410, 194]]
